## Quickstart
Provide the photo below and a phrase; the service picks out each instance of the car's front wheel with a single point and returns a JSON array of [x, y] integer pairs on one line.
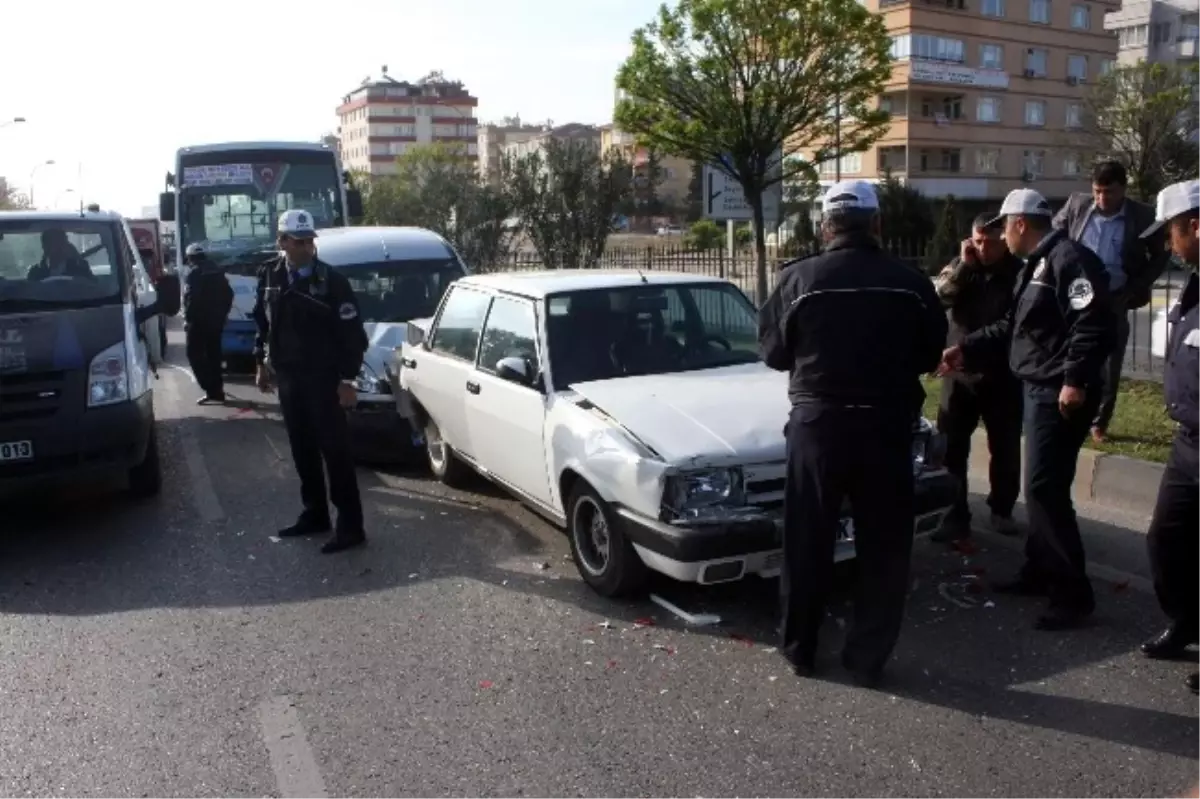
[[145, 479], [605, 558], [444, 464]]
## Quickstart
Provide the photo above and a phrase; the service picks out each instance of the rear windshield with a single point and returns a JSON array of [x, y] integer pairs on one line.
[[401, 290], [69, 263]]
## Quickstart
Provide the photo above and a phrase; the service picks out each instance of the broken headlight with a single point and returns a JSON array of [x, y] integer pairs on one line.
[[691, 493]]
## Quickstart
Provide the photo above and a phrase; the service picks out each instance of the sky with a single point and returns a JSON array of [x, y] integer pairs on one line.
[[110, 90]]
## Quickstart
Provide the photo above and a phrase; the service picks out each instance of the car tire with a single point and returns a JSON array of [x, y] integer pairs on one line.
[[444, 464], [145, 479], [605, 558]]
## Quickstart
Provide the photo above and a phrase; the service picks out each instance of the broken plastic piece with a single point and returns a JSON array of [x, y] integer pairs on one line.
[[697, 620], [742, 639], [485, 684], [989, 604], [643, 622]]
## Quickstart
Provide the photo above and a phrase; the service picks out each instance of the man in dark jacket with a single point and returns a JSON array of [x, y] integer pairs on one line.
[[856, 329], [1111, 225], [1057, 335], [977, 288], [206, 307]]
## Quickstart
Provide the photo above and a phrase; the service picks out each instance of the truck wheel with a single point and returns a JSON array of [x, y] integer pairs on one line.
[[444, 464], [145, 479], [605, 558]]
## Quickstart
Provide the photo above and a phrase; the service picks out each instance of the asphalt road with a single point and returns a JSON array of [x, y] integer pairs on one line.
[[173, 648]]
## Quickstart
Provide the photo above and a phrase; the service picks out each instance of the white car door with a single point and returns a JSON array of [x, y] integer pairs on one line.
[[439, 374], [507, 415]]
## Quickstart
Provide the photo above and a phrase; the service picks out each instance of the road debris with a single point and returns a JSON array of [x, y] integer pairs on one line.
[[642, 622], [944, 590], [274, 539], [744, 640], [485, 684], [670, 650], [696, 620], [543, 566], [606, 624]]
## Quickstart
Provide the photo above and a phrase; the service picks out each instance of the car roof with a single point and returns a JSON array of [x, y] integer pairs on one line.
[[345, 246], [61, 216], [543, 283]]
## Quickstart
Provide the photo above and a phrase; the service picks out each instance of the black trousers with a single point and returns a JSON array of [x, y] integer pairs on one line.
[[316, 429], [865, 455], [998, 405], [1112, 374], [1173, 536], [1054, 553], [204, 356]]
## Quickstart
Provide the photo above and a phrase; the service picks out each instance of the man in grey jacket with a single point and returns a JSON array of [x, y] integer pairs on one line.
[[1110, 224]]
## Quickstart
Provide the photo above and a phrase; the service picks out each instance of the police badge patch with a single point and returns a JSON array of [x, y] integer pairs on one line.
[[1080, 293], [347, 311]]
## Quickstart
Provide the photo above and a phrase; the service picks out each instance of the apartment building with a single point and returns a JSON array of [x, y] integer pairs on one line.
[[1155, 30], [985, 94], [520, 147], [492, 140], [383, 117], [675, 172]]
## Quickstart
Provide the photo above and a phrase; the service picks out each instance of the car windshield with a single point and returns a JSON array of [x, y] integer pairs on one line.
[[58, 263], [601, 334], [401, 290]]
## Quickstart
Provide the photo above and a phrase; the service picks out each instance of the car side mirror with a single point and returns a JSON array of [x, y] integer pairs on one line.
[[354, 204], [515, 370], [166, 206], [167, 301]]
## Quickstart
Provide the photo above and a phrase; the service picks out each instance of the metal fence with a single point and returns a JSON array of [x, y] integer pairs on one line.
[[1143, 354]]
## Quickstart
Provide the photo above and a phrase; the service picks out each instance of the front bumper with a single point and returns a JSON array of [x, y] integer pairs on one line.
[[733, 548], [379, 433]]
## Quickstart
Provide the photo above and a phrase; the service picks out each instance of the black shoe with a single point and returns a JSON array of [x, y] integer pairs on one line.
[[1057, 619], [343, 541], [951, 530], [306, 526], [804, 664], [1022, 586], [1171, 643], [1193, 683]]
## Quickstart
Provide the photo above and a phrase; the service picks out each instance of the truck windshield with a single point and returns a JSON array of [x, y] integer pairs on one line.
[[58, 263], [230, 202], [400, 291]]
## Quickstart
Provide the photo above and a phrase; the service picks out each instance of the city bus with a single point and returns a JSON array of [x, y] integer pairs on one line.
[[228, 197]]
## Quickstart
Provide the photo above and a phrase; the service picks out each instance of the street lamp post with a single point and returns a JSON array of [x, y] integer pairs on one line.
[[49, 162], [12, 121]]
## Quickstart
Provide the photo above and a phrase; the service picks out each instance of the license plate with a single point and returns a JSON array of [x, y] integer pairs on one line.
[[16, 451]]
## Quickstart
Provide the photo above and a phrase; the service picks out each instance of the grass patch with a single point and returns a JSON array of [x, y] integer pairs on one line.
[[1140, 426]]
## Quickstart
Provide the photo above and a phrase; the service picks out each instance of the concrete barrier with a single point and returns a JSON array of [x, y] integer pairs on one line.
[[1113, 481]]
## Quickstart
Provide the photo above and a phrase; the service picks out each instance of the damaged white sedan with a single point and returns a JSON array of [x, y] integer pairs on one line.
[[630, 408]]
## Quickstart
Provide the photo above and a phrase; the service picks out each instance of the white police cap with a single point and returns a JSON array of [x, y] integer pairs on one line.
[[1021, 202], [1176, 199], [850, 195], [194, 249], [297, 223]]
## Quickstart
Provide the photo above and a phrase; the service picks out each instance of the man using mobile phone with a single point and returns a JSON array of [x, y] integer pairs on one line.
[[977, 290], [1058, 334]]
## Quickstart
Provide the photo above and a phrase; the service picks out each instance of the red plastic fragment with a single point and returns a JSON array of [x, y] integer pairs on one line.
[[743, 640], [644, 622], [612, 664], [485, 684]]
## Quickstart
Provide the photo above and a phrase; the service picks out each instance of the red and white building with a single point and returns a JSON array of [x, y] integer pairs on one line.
[[384, 117]]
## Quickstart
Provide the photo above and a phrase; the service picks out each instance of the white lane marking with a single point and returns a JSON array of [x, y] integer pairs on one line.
[[275, 449], [296, 773], [204, 496], [178, 368]]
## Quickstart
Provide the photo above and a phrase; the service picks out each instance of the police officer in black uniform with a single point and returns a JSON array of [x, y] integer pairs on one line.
[[206, 307], [855, 328], [311, 343], [1058, 334], [1173, 535]]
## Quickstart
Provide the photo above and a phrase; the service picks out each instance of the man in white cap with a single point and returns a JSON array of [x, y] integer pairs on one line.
[[311, 339], [856, 328], [1058, 334], [1172, 539]]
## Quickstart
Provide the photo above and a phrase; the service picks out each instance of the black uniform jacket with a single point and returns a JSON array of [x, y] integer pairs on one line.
[[1061, 326], [208, 298], [1182, 389], [854, 326], [309, 326]]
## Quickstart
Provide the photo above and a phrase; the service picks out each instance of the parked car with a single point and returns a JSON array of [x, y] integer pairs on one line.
[[398, 273], [630, 408]]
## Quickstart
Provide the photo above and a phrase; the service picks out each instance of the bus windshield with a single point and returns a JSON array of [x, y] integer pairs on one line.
[[230, 201]]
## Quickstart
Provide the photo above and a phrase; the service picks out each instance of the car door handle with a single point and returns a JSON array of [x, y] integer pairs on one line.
[[408, 363], [472, 387]]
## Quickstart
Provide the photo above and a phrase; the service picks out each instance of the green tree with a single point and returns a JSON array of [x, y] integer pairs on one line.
[[567, 196], [10, 198], [731, 82], [945, 244], [705, 234], [1145, 116], [905, 214]]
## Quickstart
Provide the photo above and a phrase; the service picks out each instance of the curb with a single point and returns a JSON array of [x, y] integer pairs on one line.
[[1119, 482]]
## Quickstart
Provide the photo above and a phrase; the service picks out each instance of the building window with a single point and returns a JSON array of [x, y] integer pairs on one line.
[[987, 162], [1074, 116], [1160, 33], [941, 107], [1081, 17], [988, 109], [891, 159], [1034, 164], [1035, 63], [1039, 11], [992, 8], [1071, 165], [1035, 113], [941, 160], [1133, 36], [1077, 67], [894, 104], [1106, 66], [851, 164], [991, 56], [932, 48]]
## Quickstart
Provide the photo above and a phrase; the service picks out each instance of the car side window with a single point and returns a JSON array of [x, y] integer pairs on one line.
[[722, 315], [461, 320], [511, 332]]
